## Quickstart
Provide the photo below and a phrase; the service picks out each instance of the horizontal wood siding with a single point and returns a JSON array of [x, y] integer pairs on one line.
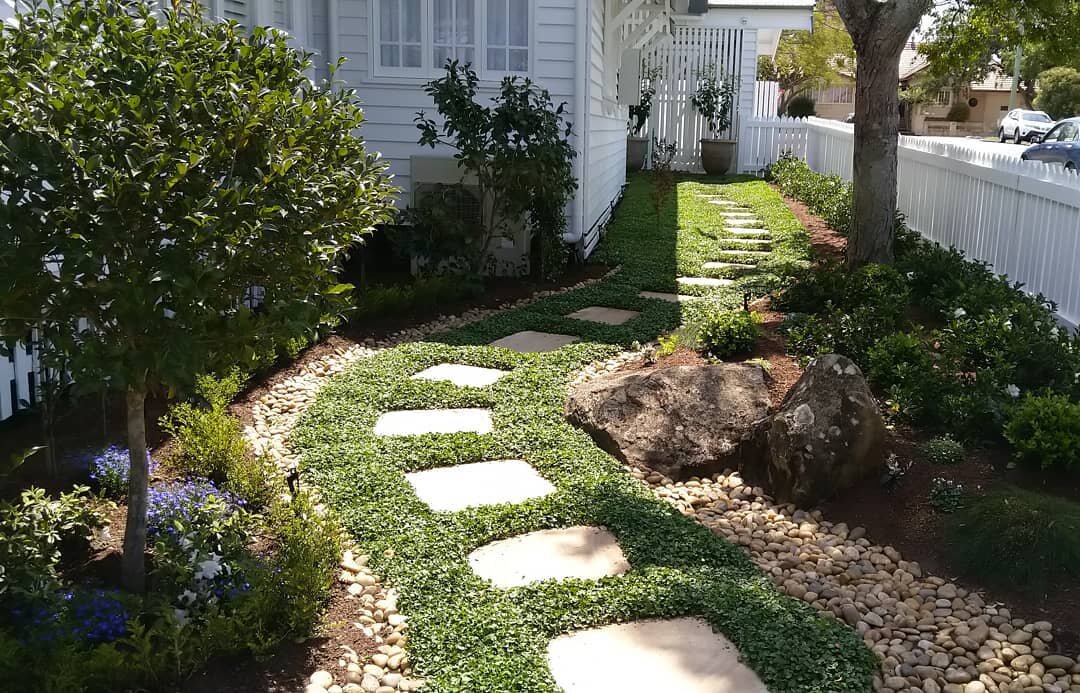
[[606, 158], [391, 104], [320, 38]]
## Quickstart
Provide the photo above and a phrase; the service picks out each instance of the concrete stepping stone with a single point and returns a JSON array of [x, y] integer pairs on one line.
[[682, 654], [704, 281], [748, 253], [608, 316], [729, 265], [755, 241], [746, 222], [448, 489], [588, 553], [672, 298], [723, 203], [530, 342], [461, 375], [741, 231], [414, 422]]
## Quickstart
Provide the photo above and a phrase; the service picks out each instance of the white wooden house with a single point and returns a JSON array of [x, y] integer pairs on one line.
[[573, 48]]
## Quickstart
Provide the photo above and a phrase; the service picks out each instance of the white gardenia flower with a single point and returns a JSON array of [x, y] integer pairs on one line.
[[959, 313], [188, 596], [1013, 391], [1008, 324], [910, 275], [209, 568], [181, 617], [1054, 331]]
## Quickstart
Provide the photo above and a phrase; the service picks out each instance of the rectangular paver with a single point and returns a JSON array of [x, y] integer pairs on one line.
[[448, 489], [413, 422], [461, 375], [729, 265], [581, 552], [672, 298], [704, 281], [682, 654], [608, 316], [530, 342]]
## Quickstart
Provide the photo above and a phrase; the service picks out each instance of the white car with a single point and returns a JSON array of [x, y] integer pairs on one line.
[[1019, 125]]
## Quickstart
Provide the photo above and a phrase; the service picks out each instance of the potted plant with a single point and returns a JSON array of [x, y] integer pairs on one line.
[[713, 100], [637, 146]]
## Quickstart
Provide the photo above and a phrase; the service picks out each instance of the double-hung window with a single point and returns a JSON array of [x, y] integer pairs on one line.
[[417, 37]]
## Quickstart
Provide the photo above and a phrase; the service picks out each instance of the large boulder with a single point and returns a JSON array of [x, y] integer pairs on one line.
[[681, 421], [827, 435]]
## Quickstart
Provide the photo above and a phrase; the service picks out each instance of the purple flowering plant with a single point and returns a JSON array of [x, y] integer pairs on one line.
[[110, 469], [82, 615], [200, 535]]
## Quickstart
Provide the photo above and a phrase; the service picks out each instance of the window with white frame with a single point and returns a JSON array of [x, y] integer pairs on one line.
[[417, 37], [944, 97]]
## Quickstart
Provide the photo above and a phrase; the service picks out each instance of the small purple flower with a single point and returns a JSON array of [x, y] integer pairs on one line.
[[180, 500], [110, 470]]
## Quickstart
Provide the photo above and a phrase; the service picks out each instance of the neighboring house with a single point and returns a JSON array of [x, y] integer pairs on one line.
[[988, 100], [572, 48]]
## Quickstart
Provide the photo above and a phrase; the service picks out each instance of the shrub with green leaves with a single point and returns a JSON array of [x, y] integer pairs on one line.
[[421, 294], [1045, 430], [946, 496], [1016, 539], [943, 450], [728, 332], [256, 480], [208, 438], [31, 532]]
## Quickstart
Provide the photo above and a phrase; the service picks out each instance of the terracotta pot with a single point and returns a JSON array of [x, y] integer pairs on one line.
[[636, 149], [717, 155]]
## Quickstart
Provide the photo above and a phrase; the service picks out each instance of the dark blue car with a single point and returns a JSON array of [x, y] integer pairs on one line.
[[1061, 146]]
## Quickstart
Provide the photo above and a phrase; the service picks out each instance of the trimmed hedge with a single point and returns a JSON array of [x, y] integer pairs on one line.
[[465, 635]]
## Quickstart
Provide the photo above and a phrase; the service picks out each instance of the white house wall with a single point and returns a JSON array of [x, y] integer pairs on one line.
[[605, 163], [391, 103]]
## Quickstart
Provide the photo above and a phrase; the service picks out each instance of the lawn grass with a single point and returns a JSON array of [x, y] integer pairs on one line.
[[464, 634]]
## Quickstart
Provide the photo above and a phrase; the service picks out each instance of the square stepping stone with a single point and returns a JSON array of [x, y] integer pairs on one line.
[[729, 265], [415, 422], [608, 316], [724, 203], [530, 342], [755, 241], [740, 231], [448, 489], [672, 298], [749, 253], [682, 654], [588, 553], [704, 281], [460, 375], [745, 222]]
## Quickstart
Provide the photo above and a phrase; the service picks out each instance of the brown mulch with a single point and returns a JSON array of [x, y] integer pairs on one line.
[[827, 244]]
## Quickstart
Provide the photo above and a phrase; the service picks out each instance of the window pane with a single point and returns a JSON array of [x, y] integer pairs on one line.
[[519, 60], [519, 22], [388, 20], [443, 23], [496, 22], [466, 22], [496, 58], [441, 55], [411, 21], [466, 55], [388, 55], [411, 56]]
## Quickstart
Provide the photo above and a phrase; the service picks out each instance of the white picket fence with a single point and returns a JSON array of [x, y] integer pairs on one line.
[[1022, 217], [766, 99], [18, 380]]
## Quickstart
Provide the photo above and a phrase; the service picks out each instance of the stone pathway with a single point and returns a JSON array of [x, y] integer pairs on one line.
[[531, 342], [671, 298], [414, 422], [448, 489], [683, 655], [585, 553], [607, 316], [704, 281], [462, 376]]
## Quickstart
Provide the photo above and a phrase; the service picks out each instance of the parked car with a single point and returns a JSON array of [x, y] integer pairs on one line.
[[1060, 146], [1020, 125]]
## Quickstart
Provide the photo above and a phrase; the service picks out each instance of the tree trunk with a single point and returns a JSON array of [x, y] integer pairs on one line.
[[133, 567], [877, 122], [879, 30]]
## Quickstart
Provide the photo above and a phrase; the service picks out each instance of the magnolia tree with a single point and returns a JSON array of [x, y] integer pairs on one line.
[[153, 168]]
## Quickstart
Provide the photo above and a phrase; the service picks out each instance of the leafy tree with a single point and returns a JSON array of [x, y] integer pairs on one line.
[[806, 60], [518, 148], [1059, 92], [969, 39], [879, 31], [156, 166]]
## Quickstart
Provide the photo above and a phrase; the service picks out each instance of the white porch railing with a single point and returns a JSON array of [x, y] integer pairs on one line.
[[1023, 217], [18, 380]]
